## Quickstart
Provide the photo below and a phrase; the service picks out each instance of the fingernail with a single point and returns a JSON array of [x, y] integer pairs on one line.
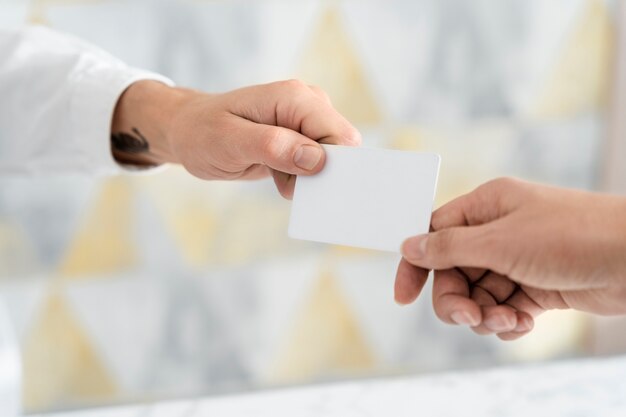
[[463, 318], [499, 324], [415, 247], [307, 157], [399, 303]]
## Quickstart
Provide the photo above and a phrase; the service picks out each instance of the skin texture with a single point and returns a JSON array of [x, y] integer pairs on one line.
[[510, 250], [272, 129]]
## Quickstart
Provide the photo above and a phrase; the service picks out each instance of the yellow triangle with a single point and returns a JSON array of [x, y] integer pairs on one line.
[[346, 251], [215, 224], [187, 208], [581, 77], [193, 226], [330, 62], [326, 338], [407, 138], [194, 229], [249, 231], [60, 366], [104, 243]]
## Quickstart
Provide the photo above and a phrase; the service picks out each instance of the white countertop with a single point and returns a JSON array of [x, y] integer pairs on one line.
[[590, 387]]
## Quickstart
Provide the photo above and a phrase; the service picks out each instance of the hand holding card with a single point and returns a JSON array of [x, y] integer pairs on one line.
[[364, 197]]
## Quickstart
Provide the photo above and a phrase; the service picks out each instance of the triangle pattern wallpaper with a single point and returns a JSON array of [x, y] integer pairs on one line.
[[167, 284]]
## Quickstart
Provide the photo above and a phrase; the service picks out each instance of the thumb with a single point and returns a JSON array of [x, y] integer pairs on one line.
[[281, 149], [468, 246]]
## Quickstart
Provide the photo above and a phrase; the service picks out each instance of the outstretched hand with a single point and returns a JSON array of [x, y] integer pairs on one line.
[[248, 133], [510, 250]]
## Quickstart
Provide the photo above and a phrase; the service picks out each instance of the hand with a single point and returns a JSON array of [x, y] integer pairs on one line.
[[244, 134], [510, 250]]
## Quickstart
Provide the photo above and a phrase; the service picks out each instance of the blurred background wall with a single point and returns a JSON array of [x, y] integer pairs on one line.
[[157, 286]]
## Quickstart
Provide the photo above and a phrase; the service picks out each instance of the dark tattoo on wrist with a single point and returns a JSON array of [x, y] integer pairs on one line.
[[127, 143], [131, 149]]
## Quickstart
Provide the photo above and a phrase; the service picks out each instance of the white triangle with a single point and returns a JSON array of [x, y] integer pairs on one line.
[[283, 27], [22, 300], [282, 286], [545, 39], [393, 58], [367, 285], [48, 210], [207, 45], [398, 58], [123, 318], [124, 29]]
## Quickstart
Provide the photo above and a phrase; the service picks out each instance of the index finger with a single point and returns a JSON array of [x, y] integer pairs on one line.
[[409, 282], [295, 105], [486, 203]]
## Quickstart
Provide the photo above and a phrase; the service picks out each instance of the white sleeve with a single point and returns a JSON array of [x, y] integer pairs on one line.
[[57, 97]]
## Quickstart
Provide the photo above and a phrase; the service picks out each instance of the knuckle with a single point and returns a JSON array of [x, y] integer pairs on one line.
[[440, 312], [502, 184], [491, 186], [294, 84], [442, 242], [273, 147], [317, 90], [493, 245], [199, 173], [481, 330], [204, 172], [509, 182], [320, 92], [500, 195]]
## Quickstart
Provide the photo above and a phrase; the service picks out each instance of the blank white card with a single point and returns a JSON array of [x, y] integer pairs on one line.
[[365, 197]]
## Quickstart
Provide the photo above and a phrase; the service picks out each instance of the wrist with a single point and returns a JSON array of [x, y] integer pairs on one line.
[[613, 257], [141, 120]]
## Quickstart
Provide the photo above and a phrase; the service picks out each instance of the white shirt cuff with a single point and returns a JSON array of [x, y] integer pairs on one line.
[[96, 90]]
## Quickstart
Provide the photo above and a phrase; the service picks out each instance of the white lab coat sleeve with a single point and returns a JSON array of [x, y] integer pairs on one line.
[[57, 97]]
